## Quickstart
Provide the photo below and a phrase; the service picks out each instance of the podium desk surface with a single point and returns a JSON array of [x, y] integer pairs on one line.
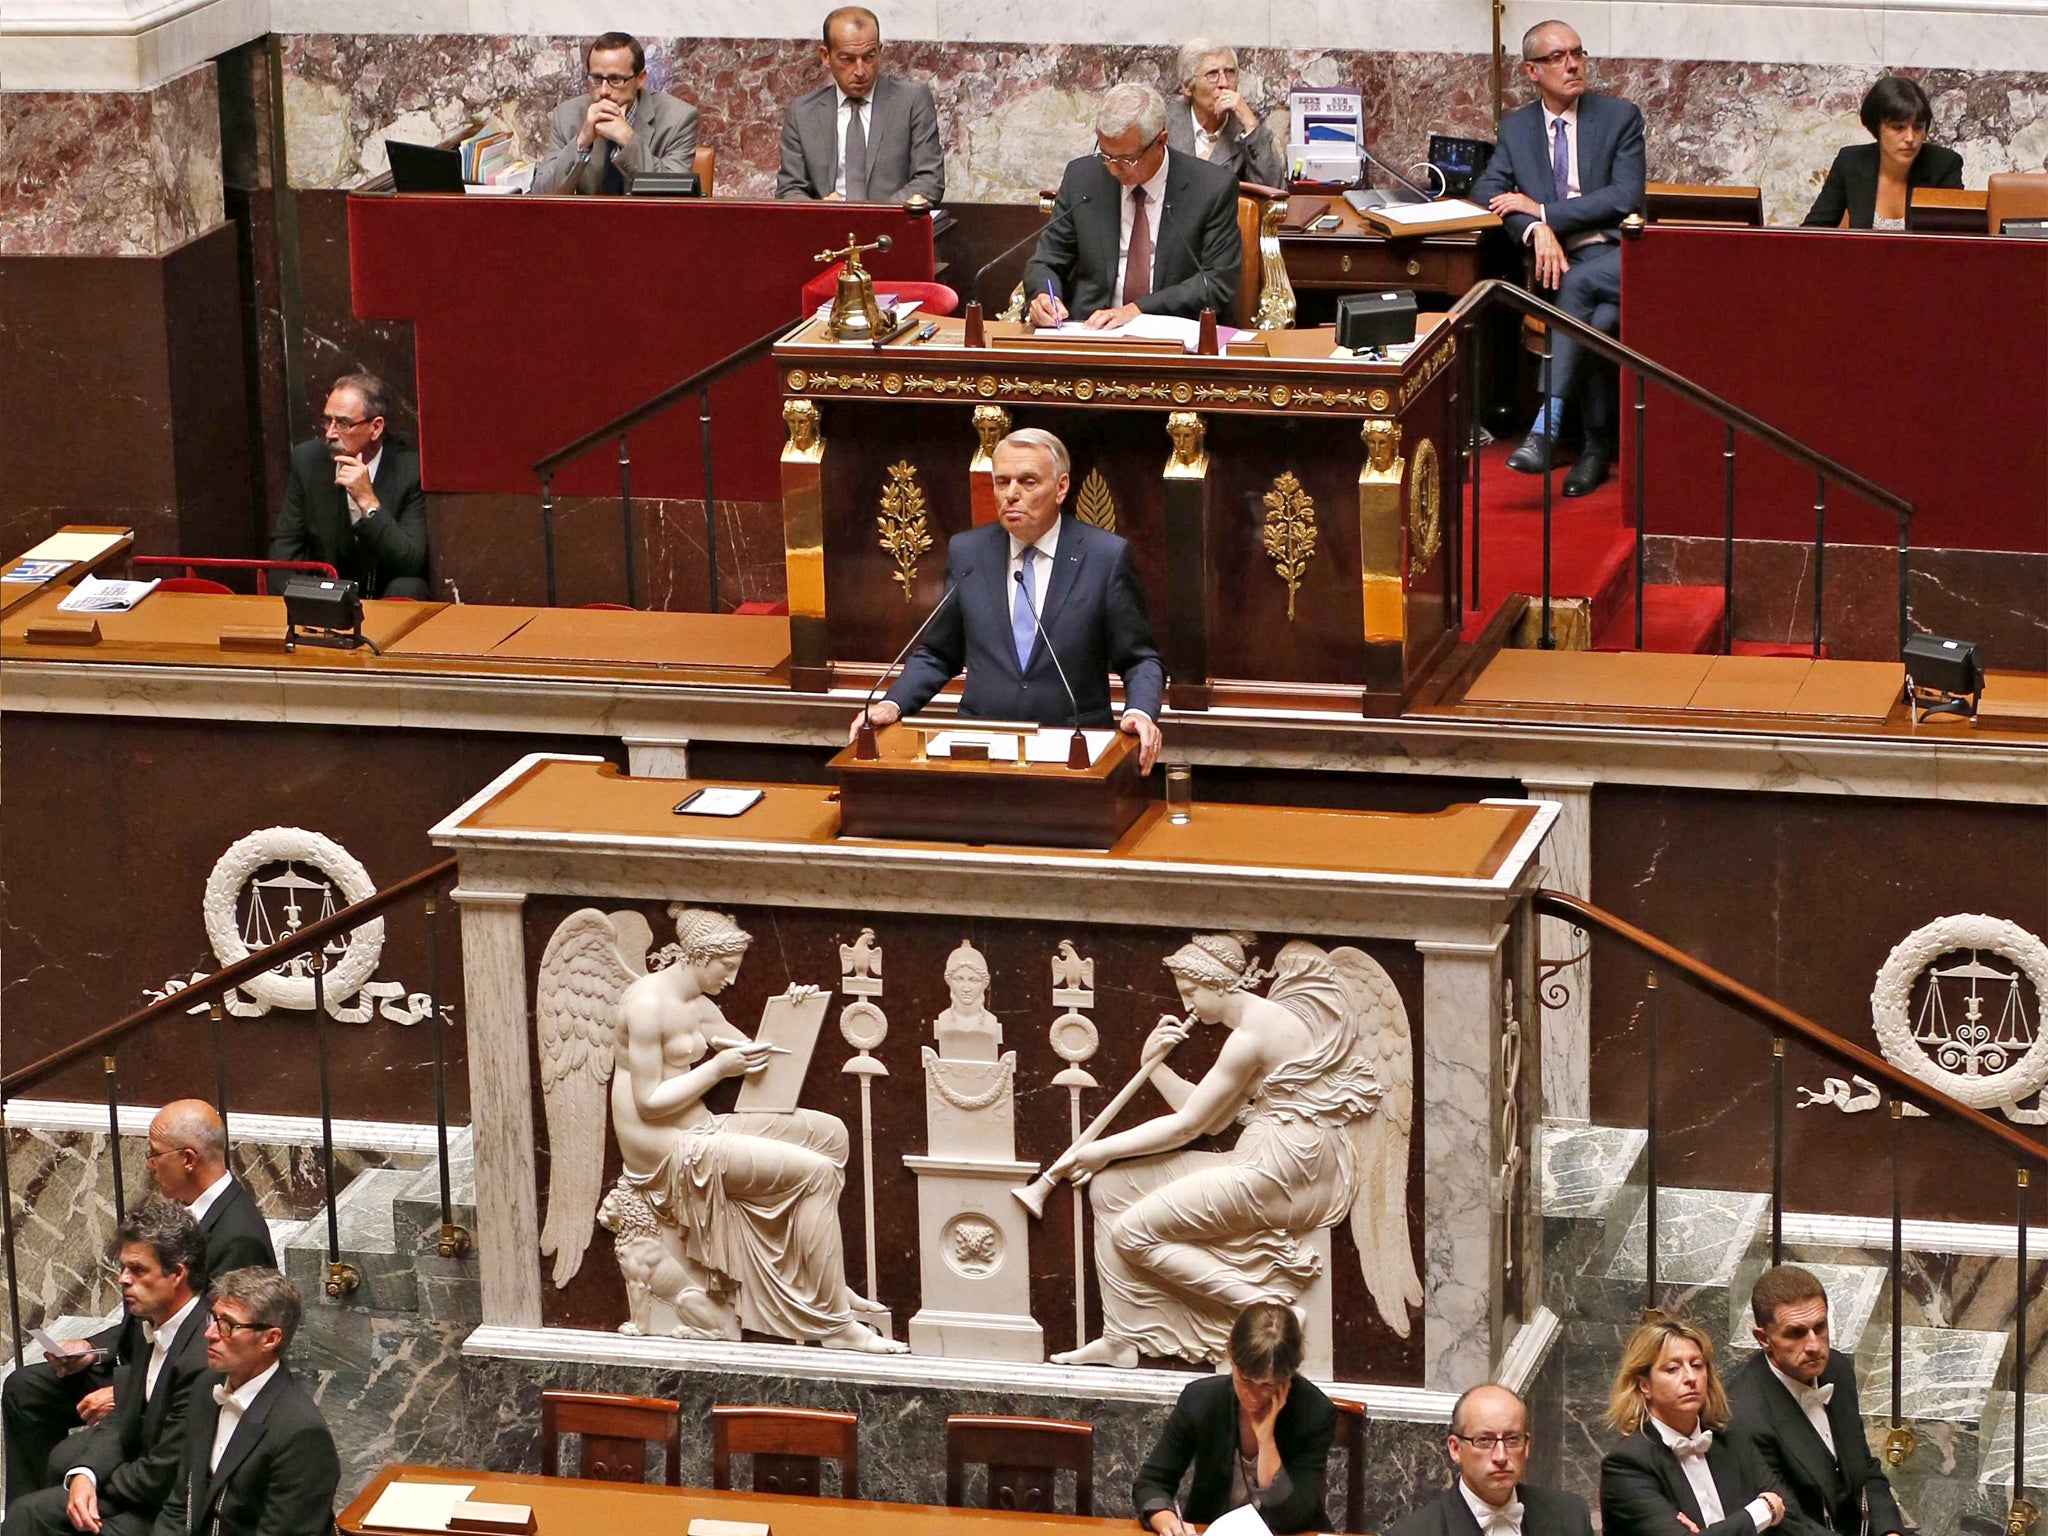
[[562, 1504], [548, 799]]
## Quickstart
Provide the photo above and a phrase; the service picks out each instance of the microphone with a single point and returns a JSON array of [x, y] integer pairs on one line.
[[1077, 745], [1002, 256], [865, 747]]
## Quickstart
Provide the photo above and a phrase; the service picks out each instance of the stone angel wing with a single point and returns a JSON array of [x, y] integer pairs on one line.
[[1379, 1211], [590, 961]]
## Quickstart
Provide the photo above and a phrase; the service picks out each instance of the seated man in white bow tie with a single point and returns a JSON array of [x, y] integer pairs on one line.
[[1796, 1403], [1489, 1446], [1672, 1471]]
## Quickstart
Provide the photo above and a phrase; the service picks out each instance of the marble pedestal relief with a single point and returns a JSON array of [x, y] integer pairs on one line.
[[973, 1237]]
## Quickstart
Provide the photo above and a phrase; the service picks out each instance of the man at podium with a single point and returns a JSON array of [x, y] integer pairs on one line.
[[1039, 608]]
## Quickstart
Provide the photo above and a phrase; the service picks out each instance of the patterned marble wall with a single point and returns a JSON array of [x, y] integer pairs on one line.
[[110, 174], [1013, 113]]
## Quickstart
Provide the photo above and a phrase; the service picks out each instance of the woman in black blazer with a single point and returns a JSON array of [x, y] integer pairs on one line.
[[1260, 1436], [1873, 183], [1676, 1472]]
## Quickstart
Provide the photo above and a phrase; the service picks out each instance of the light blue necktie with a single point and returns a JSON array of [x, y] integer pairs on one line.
[[1560, 161], [1023, 623]]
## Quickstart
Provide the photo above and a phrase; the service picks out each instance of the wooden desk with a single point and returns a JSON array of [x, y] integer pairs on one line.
[[1356, 256], [565, 1505], [14, 593]]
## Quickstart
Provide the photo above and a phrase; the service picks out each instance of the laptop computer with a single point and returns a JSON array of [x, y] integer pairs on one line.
[[423, 168]]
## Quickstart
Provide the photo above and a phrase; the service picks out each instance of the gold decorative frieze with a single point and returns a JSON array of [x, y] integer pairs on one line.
[[805, 446], [1425, 509], [1095, 505], [1276, 395], [1432, 365], [991, 426], [1190, 459], [1290, 532], [905, 535]]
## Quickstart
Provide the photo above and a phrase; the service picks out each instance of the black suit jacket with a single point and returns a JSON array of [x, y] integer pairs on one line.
[[1545, 1512], [134, 1457], [1195, 260], [1643, 1490], [1610, 142], [277, 1476], [1852, 183], [236, 1236], [314, 524], [1093, 614], [1202, 1432], [1828, 1490]]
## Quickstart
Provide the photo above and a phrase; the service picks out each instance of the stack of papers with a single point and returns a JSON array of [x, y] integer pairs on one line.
[[1048, 744], [93, 595], [36, 570], [1419, 216], [1140, 328], [407, 1506]]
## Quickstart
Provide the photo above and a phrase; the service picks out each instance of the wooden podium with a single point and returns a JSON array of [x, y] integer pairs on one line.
[[904, 793], [1293, 515]]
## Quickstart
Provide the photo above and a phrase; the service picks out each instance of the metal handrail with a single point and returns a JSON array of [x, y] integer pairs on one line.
[[548, 463], [1498, 290], [1779, 1019], [176, 1004]]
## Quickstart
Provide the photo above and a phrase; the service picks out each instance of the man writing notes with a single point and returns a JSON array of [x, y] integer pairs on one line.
[[1033, 586], [867, 137], [1489, 1447], [619, 128], [1568, 170], [1138, 228], [353, 497], [1796, 1403]]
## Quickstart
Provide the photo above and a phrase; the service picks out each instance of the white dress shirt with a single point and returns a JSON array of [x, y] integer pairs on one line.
[[1810, 1404], [1204, 139], [1494, 1519], [160, 1342], [844, 118], [1573, 187], [1041, 569], [1701, 1478], [219, 1186], [1155, 198], [232, 1406]]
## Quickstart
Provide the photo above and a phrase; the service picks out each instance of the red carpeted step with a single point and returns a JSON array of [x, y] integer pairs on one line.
[[1591, 548], [1680, 620]]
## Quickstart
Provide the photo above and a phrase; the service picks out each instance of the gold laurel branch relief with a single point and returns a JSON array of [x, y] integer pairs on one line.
[[905, 536], [1290, 533]]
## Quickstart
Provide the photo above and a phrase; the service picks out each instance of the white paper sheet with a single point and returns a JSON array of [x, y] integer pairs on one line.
[[719, 800], [73, 545], [92, 595], [1050, 744], [1421, 215], [1001, 746], [1241, 1521], [407, 1506]]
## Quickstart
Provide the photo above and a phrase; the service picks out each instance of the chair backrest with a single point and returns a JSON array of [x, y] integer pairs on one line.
[[1944, 211], [705, 163], [2015, 195], [790, 1447], [1244, 305], [1684, 202], [1350, 1439], [1023, 1457], [192, 584], [615, 1429]]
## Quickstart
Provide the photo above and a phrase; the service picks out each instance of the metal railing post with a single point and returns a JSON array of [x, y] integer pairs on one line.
[[1641, 533], [1777, 1150], [547, 533], [2022, 1514], [1545, 641], [1650, 1007], [113, 1075], [7, 1234], [454, 1241], [1477, 605], [1728, 540], [1820, 552], [626, 516], [218, 1016], [1905, 629], [710, 505], [1898, 1441], [341, 1278]]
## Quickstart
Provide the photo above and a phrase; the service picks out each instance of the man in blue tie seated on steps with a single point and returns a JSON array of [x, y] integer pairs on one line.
[[1568, 169], [1489, 1447], [1796, 1403], [1028, 597], [619, 128]]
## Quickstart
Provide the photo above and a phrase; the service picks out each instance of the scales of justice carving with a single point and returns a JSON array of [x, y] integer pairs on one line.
[[729, 1221]]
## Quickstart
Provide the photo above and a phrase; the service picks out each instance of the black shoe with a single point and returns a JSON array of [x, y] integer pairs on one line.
[[1530, 458], [1587, 471]]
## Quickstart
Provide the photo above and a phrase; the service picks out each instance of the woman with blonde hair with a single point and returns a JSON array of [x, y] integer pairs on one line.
[[1672, 1474]]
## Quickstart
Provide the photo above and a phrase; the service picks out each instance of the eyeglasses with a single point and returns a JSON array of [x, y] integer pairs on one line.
[[344, 423], [1517, 1441], [229, 1326], [1218, 76], [613, 80], [1127, 160], [1558, 56]]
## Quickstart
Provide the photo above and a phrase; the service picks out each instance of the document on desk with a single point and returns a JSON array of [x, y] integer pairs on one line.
[[1049, 745], [407, 1506], [1241, 1521], [93, 595], [1140, 328], [1418, 218], [75, 544]]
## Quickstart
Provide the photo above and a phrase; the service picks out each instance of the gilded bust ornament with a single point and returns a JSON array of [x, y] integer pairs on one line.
[[801, 418], [1425, 509], [1190, 459], [1290, 533], [991, 426], [905, 536], [1382, 448]]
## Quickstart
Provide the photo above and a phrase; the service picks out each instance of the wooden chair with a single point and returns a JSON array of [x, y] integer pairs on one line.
[[705, 163], [1684, 202], [1023, 1457], [2015, 195], [1244, 304], [616, 1430], [790, 1447], [1350, 1439]]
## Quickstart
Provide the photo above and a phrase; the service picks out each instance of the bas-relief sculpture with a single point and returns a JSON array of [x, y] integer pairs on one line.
[[728, 1221]]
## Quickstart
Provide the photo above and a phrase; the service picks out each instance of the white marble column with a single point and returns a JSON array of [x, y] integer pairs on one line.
[[1565, 1029], [658, 757], [1461, 1000], [501, 1105]]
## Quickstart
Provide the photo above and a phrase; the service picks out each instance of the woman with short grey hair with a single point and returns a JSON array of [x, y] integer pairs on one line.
[[1211, 120]]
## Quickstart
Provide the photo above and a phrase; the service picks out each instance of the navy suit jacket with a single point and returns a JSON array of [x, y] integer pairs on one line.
[[1093, 614], [1828, 1490], [1197, 218], [1610, 168]]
